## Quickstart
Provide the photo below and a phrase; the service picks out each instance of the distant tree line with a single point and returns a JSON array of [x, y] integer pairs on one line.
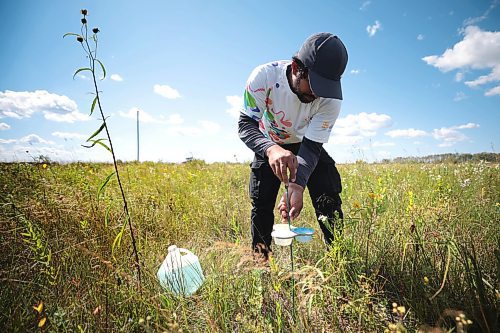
[[447, 158]]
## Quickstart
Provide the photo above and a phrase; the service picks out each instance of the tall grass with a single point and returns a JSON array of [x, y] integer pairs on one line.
[[425, 237]]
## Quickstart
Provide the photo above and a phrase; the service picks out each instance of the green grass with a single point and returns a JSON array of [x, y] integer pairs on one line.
[[423, 236]]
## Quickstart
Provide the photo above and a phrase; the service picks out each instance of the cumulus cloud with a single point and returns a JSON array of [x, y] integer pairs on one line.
[[372, 29], [355, 71], [354, 127], [451, 135], [420, 37], [448, 136], [493, 91], [166, 91], [31, 139], [459, 76], [67, 135], [478, 50], [235, 102], [406, 133], [34, 139], [4, 126], [116, 77], [23, 104]]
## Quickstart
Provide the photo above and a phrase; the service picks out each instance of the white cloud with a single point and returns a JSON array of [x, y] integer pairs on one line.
[[23, 104], [355, 71], [420, 37], [31, 139], [166, 91], [4, 126], [407, 133], [66, 117], [459, 96], [478, 50], [337, 139], [236, 103], [450, 135], [116, 77], [474, 20], [352, 128], [468, 125], [459, 76], [204, 128], [209, 127], [365, 5], [66, 135], [372, 29], [493, 91], [363, 123], [145, 117], [174, 119]]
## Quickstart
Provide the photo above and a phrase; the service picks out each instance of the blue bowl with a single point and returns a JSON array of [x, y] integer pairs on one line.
[[304, 235]]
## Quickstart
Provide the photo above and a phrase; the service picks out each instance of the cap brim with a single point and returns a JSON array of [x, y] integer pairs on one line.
[[325, 87]]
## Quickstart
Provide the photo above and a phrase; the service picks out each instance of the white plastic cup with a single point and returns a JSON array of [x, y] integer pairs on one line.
[[282, 226], [283, 237]]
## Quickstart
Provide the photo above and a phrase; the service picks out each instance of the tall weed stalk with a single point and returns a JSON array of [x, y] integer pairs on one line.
[[90, 50]]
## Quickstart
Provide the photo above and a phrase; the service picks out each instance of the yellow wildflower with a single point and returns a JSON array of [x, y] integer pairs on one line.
[[44, 165], [42, 322], [426, 280], [39, 307]]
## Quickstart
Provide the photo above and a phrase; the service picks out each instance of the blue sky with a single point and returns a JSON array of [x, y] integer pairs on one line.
[[423, 76]]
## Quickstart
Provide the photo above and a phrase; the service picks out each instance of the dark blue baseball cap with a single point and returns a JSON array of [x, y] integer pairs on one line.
[[325, 57]]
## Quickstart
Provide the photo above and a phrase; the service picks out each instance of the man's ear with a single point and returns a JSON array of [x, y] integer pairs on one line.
[[295, 67]]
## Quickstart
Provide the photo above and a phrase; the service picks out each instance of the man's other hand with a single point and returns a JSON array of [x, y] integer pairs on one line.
[[296, 195], [282, 160]]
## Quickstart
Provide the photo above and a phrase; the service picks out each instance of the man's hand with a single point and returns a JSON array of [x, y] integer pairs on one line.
[[282, 160], [295, 194]]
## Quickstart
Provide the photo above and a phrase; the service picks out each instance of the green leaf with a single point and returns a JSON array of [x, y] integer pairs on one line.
[[72, 34], [103, 69], [81, 70], [93, 106], [97, 132], [104, 145], [118, 240], [98, 142], [106, 216], [104, 183]]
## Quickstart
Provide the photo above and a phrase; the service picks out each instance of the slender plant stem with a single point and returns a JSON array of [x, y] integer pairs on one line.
[[92, 60]]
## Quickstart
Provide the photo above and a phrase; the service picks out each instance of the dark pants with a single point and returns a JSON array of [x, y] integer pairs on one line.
[[324, 187]]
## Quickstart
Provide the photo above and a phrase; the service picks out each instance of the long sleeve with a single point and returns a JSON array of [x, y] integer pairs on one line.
[[248, 130], [308, 157]]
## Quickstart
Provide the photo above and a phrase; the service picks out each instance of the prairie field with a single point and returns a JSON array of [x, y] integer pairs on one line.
[[418, 251]]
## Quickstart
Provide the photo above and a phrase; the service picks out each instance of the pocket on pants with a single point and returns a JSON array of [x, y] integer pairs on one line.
[[255, 178]]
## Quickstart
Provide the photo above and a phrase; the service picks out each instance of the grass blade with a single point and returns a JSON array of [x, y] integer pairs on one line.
[[104, 183]]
